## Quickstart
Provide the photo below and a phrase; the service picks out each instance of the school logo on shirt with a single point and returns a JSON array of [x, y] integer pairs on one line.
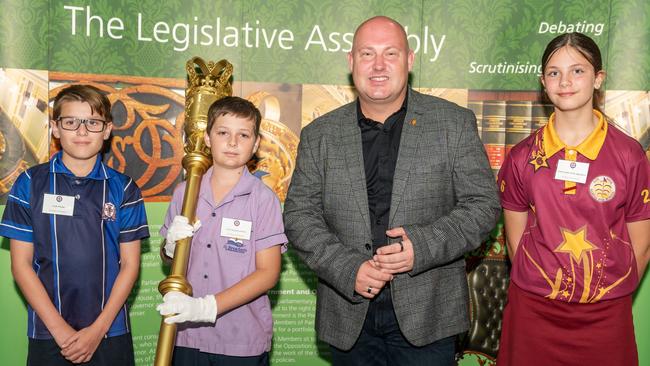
[[108, 212], [235, 245], [602, 188]]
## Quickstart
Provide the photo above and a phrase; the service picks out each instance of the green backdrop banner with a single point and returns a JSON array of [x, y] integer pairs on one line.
[[289, 58]]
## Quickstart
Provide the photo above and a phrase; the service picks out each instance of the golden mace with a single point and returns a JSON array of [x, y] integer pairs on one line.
[[206, 84]]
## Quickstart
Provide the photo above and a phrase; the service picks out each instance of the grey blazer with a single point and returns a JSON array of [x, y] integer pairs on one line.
[[444, 195]]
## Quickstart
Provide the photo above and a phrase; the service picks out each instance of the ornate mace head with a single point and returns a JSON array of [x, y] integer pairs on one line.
[[206, 84]]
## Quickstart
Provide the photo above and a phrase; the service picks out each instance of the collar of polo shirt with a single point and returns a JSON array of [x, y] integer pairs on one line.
[[243, 187], [589, 148], [98, 172]]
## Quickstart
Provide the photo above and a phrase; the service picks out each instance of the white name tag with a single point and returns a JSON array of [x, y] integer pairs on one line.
[[57, 204], [572, 171], [234, 228]]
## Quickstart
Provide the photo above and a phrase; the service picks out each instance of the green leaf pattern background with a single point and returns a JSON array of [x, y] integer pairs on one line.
[[24, 34], [484, 31]]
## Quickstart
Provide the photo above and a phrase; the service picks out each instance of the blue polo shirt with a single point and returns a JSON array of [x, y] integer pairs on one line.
[[76, 256]]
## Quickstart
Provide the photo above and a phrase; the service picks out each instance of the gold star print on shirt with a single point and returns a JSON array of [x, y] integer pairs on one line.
[[538, 156], [575, 244], [580, 252]]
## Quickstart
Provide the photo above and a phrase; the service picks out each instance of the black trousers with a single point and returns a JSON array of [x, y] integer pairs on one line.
[[381, 342], [184, 356]]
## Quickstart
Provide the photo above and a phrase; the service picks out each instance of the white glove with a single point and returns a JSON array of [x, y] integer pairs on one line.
[[179, 229], [187, 308]]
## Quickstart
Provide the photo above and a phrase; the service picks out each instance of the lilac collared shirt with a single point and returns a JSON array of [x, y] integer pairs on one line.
[[217, 263]]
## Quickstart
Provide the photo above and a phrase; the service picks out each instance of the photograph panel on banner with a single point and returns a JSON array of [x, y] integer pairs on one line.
[[630, 111], [24, 137]]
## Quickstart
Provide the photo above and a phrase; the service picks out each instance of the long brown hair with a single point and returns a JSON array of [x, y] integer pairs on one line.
[[587, 48]]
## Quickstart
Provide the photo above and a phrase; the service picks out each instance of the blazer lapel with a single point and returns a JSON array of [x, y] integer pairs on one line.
[[353, 152], [408, 147]]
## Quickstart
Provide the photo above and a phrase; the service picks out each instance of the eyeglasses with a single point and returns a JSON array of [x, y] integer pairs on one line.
[[73, 123]]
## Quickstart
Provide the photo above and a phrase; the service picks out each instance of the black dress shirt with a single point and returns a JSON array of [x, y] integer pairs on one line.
[[380, 149]]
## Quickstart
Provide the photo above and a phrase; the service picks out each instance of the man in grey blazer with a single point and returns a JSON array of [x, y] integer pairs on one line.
[[388, 194]]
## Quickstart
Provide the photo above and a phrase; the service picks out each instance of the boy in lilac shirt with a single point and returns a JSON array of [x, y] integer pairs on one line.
[[236, 246]]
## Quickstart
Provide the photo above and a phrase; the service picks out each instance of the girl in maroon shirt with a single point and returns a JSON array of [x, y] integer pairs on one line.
[[577, 221]]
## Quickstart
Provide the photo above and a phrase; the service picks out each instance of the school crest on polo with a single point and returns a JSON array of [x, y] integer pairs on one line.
[[602, 188], [108, 212]]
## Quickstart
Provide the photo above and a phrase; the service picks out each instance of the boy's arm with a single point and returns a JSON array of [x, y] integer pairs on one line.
[[267, 272], [206, 309], [82, 346], [268, 261], [640, 238], [163, 257], [22, 255]]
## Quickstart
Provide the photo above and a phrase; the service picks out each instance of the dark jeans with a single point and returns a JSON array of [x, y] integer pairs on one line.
[[110, 352], [184, 356], [381, 342]]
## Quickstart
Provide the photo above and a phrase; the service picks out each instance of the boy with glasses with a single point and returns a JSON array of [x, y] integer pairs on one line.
[[75, 227]]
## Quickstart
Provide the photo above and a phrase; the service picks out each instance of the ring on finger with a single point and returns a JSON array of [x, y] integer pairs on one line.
[[369, 289]]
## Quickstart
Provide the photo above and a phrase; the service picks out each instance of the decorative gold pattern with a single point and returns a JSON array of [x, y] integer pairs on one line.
[[147, 138], [576, 244], [581, 260], [149, 124], [278, 147], [206, 83], [538, 156], [539, 160]]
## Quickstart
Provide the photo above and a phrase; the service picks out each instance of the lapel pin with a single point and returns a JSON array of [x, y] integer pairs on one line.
[[413, 122]]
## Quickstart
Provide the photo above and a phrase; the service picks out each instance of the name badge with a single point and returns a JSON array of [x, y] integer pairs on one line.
[[572, 171], [235, 228], [57, 204]]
